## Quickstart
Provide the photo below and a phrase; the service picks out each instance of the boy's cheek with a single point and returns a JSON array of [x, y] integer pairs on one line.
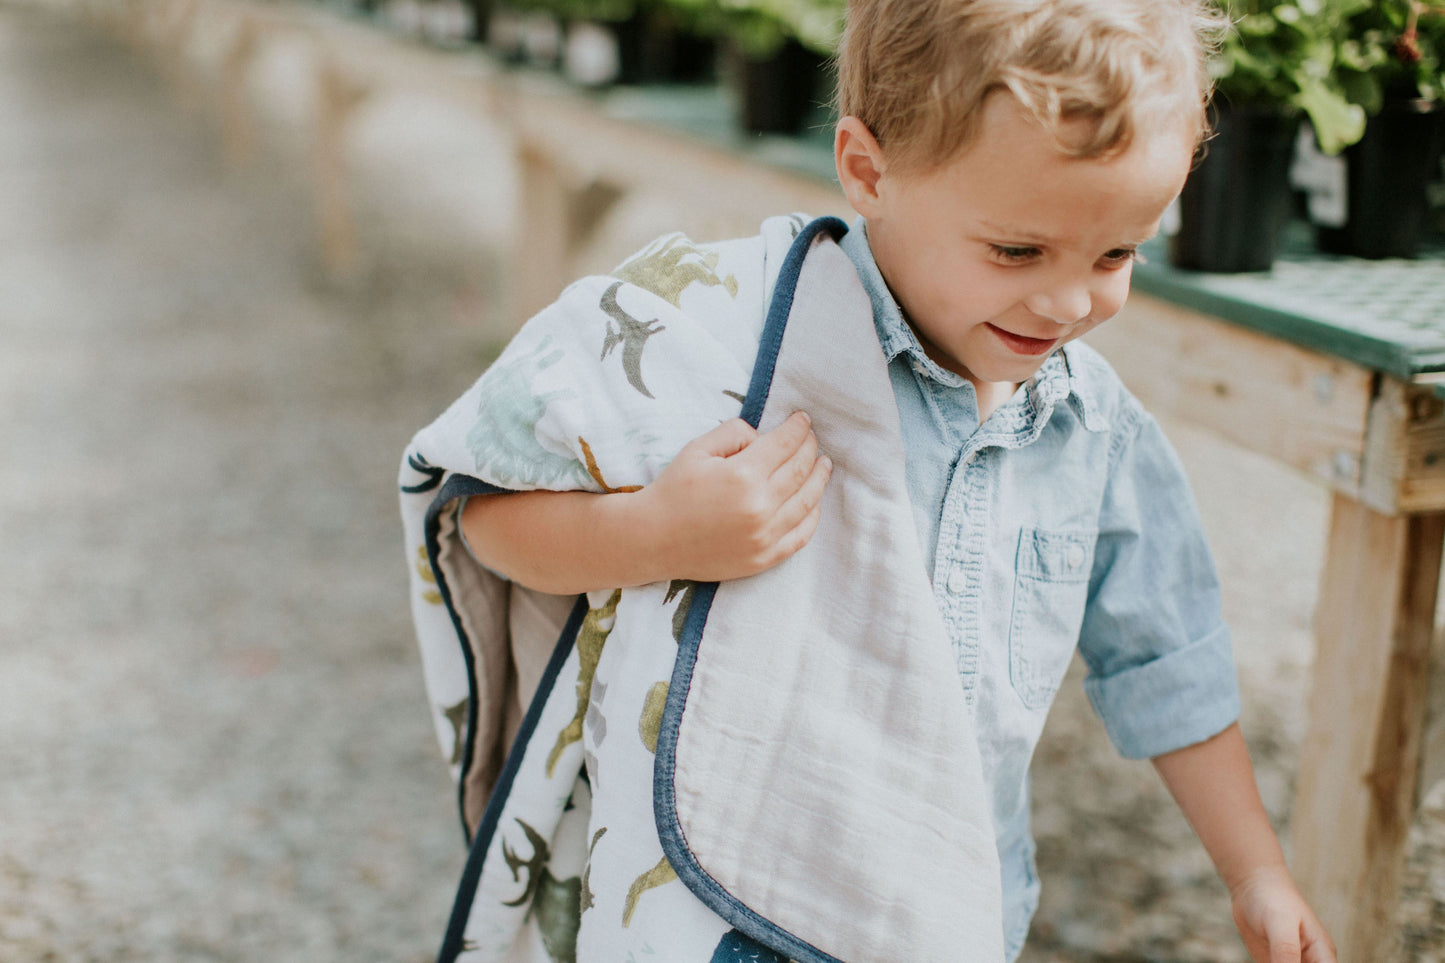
[[1113, 300], [1084, 329]]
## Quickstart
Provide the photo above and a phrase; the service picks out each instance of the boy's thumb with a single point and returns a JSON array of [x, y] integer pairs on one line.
[[727, 439]]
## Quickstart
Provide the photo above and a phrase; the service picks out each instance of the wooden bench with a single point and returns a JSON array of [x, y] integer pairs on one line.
[[1332, 366]]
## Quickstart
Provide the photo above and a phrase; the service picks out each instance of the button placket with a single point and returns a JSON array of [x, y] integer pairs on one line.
[[958, 563]]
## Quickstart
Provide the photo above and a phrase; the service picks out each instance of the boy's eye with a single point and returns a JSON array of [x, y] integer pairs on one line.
[[1013, 253], [1120, 256]]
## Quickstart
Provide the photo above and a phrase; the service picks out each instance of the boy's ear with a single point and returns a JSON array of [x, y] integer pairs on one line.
[[860, 164]]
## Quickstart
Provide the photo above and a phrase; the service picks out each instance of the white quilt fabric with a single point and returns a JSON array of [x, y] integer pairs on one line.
[[780, 767]]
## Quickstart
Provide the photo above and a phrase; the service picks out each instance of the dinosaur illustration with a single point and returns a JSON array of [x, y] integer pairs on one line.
[[651, 722], [736, 947], [504, 440], [656, 876], [424, 569], [590, 639], [557, 903], [648, 727], [433, 474], [631, 333], [588, 900], [596, 472], [457, 716], [670, 266], [598, 724], [737, 396], [687, 589]]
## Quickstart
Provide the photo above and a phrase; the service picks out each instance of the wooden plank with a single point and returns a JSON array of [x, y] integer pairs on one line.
[[337, 97], [639, 156], [1355, 794], [1303, 408], [237, 126], [543, 265], [1404, 465]]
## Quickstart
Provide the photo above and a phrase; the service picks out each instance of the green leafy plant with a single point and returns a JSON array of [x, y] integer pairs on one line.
[[761, 27], [1281, 55], [599, 10], [1393, 50]]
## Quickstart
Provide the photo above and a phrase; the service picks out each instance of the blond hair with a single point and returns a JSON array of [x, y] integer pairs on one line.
[[917, 72]]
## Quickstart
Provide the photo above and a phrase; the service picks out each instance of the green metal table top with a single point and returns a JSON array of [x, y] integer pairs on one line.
[[1388, 315]]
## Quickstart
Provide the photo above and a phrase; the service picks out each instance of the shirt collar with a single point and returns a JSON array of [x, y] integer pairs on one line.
[[1055, 380]]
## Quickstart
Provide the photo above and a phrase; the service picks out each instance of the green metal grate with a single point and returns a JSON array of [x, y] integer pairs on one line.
[[1387, 314]]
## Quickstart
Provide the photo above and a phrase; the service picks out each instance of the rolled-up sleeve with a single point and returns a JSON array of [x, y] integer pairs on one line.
[[1161, 669]]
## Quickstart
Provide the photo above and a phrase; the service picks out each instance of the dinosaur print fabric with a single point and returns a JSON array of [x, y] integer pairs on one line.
[[679, 772]]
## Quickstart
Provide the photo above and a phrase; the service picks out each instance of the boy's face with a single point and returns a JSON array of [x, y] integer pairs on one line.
[[1012, 248]]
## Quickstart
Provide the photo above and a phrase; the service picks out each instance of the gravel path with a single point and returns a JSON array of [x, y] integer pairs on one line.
[[215, 742], [213, 737]]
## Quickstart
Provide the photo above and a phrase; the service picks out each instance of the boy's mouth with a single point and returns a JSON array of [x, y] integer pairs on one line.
[[1019, 344]]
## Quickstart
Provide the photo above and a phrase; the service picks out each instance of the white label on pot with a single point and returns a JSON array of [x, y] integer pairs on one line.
[[1323, 179], [590, 57]]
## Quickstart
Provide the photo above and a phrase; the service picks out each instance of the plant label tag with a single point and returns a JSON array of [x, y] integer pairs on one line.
[[1323, 179]]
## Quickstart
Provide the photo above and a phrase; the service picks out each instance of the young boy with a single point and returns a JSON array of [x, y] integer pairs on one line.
[[1006, 160]]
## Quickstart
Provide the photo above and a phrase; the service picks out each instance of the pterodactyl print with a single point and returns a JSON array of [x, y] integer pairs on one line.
[[629, 332]]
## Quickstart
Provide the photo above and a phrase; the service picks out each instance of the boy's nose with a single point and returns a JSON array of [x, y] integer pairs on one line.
[[1063, 305]]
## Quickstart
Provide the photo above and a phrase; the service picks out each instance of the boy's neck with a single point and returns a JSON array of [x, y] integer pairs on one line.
[[991, 396]]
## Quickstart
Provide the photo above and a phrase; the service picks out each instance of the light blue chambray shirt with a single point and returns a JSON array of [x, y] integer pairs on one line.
[[1063, 521]]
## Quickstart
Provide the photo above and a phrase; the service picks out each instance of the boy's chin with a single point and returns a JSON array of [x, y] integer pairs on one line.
[[1012, 371]]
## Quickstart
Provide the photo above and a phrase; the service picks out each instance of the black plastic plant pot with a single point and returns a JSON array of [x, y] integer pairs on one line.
[[1237, 199], [481, 11], [1386, 175], [653, 48], [776, 93]]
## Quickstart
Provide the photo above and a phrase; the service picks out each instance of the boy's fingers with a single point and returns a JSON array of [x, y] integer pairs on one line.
[[727, 439], [805, 500], [775, 447], [790, 543], [793, 473], [1317, 945], [1284, 939]]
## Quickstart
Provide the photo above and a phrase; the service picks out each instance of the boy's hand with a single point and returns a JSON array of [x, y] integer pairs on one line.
[[735, 501], [1276, 923]]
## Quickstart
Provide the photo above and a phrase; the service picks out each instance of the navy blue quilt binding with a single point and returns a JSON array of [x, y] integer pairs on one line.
[[459, 486], [664, 801], [453, 943], [777, 320]]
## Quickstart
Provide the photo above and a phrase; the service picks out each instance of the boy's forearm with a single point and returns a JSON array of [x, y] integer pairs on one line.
[[732, 503], [1213, 782], [562, 542]]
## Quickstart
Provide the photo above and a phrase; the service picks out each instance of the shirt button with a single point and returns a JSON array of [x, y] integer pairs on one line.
[[957, 581], [1074, 557]]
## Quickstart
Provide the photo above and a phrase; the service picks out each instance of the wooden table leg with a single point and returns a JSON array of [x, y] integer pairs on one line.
[[337, 97], [543, 229], [236, 125], [560, 211], [1356, 792]]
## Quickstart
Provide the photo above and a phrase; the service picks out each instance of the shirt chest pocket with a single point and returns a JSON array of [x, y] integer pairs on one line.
[[1051, 586]]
